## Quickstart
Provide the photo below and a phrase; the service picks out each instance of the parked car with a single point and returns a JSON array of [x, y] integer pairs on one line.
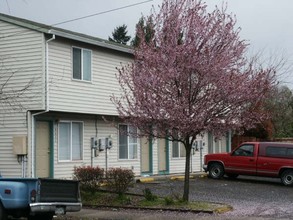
[[37, 198], [268, 159]]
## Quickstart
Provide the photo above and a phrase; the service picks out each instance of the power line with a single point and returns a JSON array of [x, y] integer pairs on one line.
[[80, 18], [104, 12]]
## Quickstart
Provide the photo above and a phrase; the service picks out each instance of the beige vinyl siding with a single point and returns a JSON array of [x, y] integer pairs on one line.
[[70, 95], [104, 129], [177, 165], [12, 124], [22, 57]]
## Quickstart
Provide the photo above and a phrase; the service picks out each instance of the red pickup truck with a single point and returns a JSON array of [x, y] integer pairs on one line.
[[269, 159]]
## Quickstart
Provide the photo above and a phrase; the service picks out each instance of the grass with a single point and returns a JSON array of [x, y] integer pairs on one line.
[[106, 199]]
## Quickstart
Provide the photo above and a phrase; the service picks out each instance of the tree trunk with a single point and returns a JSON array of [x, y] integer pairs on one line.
[[187, 170]]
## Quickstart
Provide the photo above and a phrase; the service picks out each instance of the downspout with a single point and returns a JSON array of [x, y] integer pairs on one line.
[[46, 105]]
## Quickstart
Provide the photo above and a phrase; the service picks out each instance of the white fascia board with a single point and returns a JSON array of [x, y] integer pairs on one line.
[[90, 40]]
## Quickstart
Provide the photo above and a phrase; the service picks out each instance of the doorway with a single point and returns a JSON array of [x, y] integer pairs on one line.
[[146, 155], [43, 149], [163, 152]]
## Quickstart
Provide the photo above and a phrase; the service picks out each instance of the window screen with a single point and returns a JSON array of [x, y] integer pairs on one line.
[[76, 63], [70, 141], [127, 142], [82, 64]]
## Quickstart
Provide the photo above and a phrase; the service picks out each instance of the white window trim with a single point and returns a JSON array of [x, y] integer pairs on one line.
[[82, 150], [82, 80], [137, 146]]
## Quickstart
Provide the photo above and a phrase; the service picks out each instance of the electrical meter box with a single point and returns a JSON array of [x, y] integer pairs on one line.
[[19, 145], [101, 144], [109, 143]]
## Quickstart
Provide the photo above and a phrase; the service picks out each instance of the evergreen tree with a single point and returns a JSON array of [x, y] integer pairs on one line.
[[147, 28], [119, 35], [281, 108]]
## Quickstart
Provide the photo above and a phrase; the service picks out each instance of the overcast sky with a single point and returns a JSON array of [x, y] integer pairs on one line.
[[266, 24]]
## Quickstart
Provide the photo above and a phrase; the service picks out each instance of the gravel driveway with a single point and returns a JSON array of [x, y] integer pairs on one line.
[[251, 197]]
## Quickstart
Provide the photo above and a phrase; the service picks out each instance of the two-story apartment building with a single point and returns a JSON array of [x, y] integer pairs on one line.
[[70, 78]]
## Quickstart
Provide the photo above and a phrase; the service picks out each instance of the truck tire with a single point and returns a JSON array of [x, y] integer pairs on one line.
[[287, 177], [41, 216], [216, 171], [3, 214]]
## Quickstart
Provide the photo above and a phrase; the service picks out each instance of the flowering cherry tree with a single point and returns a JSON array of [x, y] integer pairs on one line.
[[192, 77]]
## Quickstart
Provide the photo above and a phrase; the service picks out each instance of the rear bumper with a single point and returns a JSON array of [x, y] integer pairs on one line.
[[53, 206]]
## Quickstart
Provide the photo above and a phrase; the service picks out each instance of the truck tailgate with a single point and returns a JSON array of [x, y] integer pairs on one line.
[[54, 190]]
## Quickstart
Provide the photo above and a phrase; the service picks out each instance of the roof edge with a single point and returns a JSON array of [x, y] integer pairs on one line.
[[90, 40], [47, 29]]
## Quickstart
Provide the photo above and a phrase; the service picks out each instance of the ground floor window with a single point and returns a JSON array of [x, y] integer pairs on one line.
[[70, 141], [178, 150], [127, 142]]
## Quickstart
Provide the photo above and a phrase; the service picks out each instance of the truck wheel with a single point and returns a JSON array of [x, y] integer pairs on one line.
[[287, 177], [3, 214], [216, 171], [41, 216]]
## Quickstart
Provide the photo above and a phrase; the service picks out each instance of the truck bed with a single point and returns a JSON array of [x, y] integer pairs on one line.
[[54, 190]]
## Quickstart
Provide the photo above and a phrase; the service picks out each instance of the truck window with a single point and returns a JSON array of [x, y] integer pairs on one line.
[[244, 150], [276, 151], [290, 152]]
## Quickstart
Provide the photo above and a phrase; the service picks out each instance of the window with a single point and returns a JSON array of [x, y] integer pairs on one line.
[[290, 152], [127, 142], [244, 150], [178, 150], [82, 64], [279, 152], [70, 141], [276, 151]]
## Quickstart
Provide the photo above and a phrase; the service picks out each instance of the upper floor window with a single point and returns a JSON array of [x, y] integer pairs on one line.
[[127, 142], [82, 64], [70, 135]]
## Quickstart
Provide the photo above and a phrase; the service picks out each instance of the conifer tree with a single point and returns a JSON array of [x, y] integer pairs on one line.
[[145, 29], [119, 35]]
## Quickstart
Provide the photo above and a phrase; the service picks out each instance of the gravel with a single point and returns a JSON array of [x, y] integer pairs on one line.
[[252, 198]]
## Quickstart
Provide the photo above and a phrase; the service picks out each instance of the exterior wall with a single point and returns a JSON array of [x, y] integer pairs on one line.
[[22, 59], [91, 126], [155, 157], [97, 127], [69, 95], [22, 52], [177, 165], [218, 145]]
